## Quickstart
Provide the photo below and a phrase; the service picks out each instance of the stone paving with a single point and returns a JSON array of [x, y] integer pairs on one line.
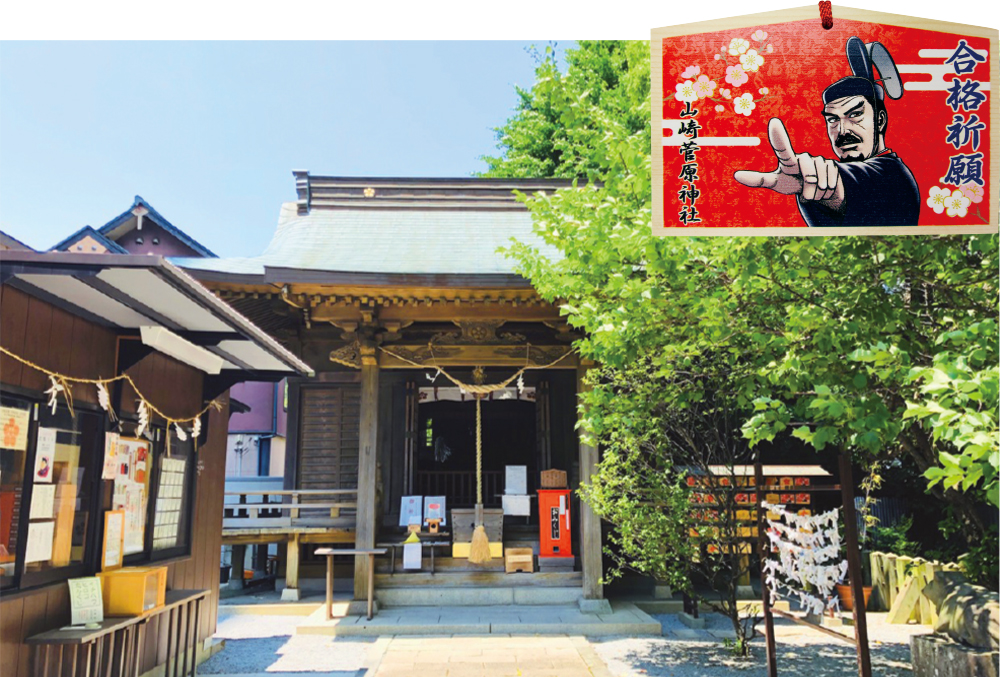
[[490, 656], [624, 619], [263, 645]]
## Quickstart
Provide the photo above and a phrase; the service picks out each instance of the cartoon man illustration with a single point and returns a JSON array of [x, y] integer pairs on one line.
[[867, 184]]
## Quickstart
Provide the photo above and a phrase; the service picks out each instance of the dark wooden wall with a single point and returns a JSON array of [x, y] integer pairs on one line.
[[62, 342]]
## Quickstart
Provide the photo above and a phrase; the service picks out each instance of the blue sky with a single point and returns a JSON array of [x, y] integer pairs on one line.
[[209, 132]]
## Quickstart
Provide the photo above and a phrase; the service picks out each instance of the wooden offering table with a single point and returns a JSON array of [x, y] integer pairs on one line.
[[330, 553], [115, 646]]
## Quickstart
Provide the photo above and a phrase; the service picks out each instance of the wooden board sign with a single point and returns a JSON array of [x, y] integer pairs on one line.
[[770, 124]]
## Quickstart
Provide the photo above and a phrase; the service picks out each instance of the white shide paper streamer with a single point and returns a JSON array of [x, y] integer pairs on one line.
[[808, 551]]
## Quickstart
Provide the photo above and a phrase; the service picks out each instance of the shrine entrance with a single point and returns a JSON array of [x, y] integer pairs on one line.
[[445, 458]]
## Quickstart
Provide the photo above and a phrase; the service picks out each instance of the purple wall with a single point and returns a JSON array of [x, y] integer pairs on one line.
[[169, 245], [260, 398]]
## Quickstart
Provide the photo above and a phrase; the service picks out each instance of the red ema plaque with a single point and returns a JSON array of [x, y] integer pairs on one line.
[[772, 125]]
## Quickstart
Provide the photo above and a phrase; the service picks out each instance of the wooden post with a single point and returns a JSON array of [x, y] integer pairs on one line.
[[291, 591], [329, 587], [237, 561], [367, 457], [854, 564], [590, 524], [762, 545]]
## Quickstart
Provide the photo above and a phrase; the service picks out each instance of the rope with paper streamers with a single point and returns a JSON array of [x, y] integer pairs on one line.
[[808, 549], [477, 388], [61, 384]]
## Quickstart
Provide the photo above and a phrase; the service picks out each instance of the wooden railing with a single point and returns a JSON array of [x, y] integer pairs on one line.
[[459, 486], [115, 646], [272, 508]]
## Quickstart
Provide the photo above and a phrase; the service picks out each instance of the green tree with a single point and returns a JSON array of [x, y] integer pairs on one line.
[[883, 346]]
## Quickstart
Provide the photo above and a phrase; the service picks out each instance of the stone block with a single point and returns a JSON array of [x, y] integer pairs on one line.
[[290, 595], [940, 656], [546, 596], [690, 621], [595, 606], [662, 592]]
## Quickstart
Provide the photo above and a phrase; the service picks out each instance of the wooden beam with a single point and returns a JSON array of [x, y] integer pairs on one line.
[[442, 310], [590, 523], [367, 457], [480, 355]]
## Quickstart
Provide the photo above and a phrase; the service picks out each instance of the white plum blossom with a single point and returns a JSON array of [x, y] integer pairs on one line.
[[738, 46], [759, 35], [769, 48], [726, 93], [763, 91], [938, 199], [718, 56], [958, 204], [685, 91], [720, 108], [752, 60], [744, 104], [691, 71], [704, 87]]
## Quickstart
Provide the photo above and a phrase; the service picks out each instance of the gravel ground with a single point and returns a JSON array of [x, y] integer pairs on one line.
[[801, 651], [261, 644]]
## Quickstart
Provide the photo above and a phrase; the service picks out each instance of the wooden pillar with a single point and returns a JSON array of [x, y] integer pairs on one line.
[[237, 560], [291, 591], [367, 458], [590, 524]]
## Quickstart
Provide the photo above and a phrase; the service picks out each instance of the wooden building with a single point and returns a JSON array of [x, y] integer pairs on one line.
[[83, 316], [375, 283]]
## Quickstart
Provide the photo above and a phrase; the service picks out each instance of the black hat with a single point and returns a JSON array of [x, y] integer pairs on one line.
[[864, 59]]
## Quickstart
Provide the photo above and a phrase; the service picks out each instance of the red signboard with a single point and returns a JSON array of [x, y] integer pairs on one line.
[[771, 124]]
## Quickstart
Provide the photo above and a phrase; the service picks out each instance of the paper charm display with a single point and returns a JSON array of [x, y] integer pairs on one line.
[[808, 564], [880, 125]]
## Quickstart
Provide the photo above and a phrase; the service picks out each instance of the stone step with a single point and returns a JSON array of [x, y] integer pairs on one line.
[[442, 564], [431, 595], [451, 579], [549, 619]]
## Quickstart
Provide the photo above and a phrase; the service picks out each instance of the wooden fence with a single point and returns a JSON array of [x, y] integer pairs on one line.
[[898, 587]]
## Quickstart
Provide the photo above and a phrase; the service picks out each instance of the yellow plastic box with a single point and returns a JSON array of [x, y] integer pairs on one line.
[[132, 591]]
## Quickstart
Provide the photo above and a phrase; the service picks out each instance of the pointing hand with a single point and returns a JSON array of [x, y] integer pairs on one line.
[[811, 177]]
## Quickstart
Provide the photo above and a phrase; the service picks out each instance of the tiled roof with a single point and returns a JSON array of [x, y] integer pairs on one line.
[[416, 226], [11, 242], [125, 222], [109, 244]]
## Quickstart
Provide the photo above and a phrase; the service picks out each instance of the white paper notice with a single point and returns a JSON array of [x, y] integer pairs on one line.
[[14, 428], [85, 600], [39, 547], [43, 499], [45, 454], [411, 555], [434, 508], [133, 520], [110, 456], [410, 506], [113, 533], [516, 505], [517, 480]]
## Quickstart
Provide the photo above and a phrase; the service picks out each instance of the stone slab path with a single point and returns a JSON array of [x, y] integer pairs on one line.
[[490, 656]]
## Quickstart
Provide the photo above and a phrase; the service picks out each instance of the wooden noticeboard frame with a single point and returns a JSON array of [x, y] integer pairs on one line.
[[764, 211]]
